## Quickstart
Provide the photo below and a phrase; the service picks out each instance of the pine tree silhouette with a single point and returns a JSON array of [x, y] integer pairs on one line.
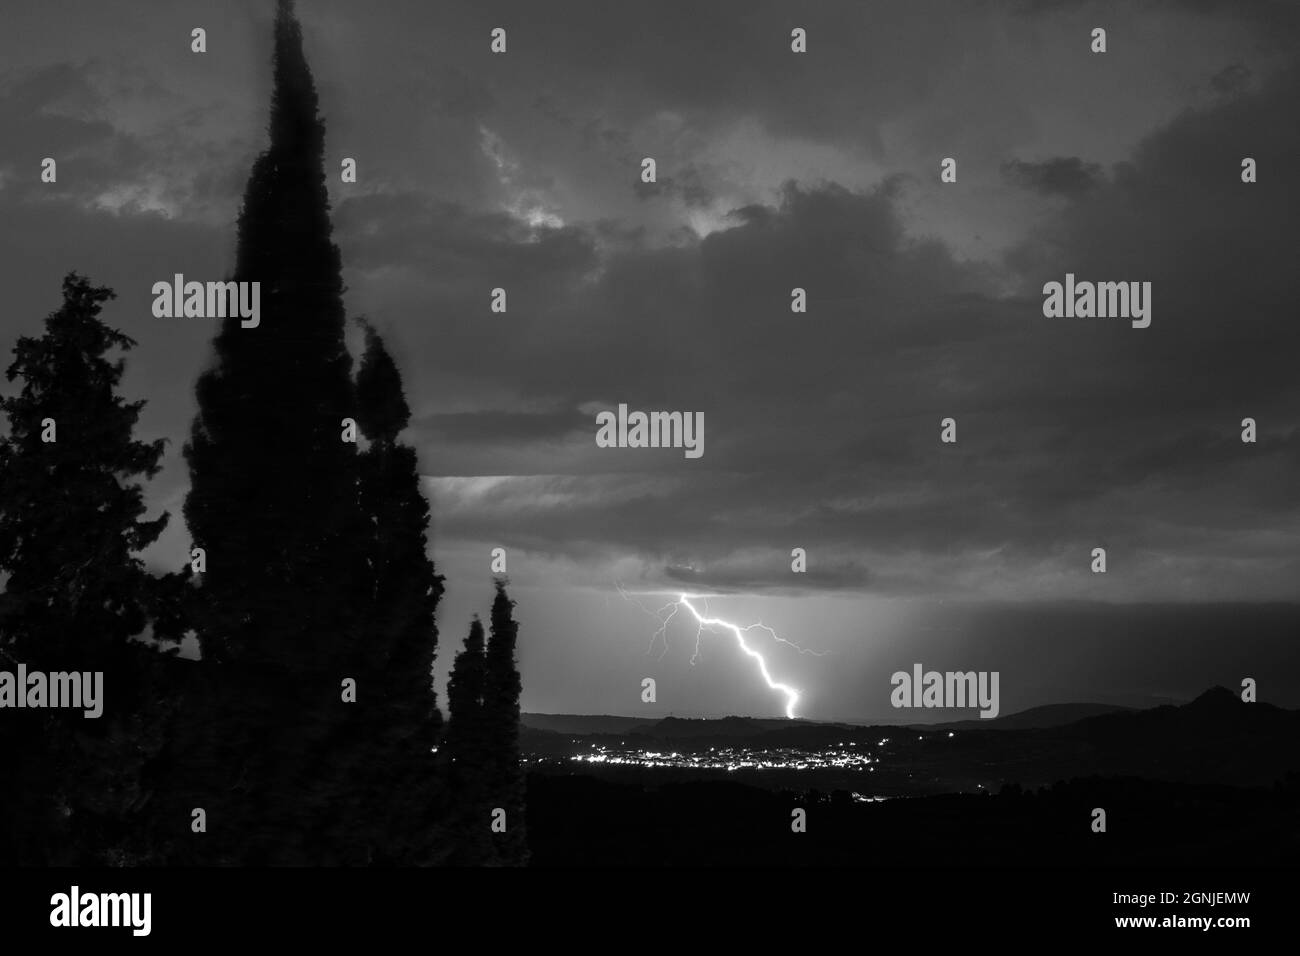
[[71, 526], [403, 719], [274, 504]]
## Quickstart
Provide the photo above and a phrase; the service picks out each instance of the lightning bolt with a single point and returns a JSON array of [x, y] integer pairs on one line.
[[665, 615]]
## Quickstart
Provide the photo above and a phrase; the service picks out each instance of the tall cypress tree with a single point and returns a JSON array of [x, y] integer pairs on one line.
[[273, 488], [71, 526], [501, 689], [402, 636], [274, 497]]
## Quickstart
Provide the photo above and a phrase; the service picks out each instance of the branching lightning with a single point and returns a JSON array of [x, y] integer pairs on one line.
[[665, 615]]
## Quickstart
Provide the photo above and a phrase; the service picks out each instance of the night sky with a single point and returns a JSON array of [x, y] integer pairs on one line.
[[775, 170]]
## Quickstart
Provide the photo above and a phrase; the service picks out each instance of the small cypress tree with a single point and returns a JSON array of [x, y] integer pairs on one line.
[[71, 527], [501, 690], [464, 836]]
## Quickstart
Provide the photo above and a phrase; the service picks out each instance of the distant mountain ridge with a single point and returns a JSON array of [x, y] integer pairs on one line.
[[1048, 715], [581, 724]]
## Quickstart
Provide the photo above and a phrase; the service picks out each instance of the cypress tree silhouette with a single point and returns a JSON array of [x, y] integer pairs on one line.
[[71, 526], [501, 689], [403, 719], [464, 838], [274, 504], [272, 485]]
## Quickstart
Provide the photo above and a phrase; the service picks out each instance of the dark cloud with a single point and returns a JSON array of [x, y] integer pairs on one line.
[[500, 426], [1062, 176], [768, 573], [689, 185], [464, 248], [50, 112], [823, 429], [1232, 79]]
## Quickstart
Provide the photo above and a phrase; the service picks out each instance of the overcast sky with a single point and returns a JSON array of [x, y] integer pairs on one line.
[[775, 170]]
